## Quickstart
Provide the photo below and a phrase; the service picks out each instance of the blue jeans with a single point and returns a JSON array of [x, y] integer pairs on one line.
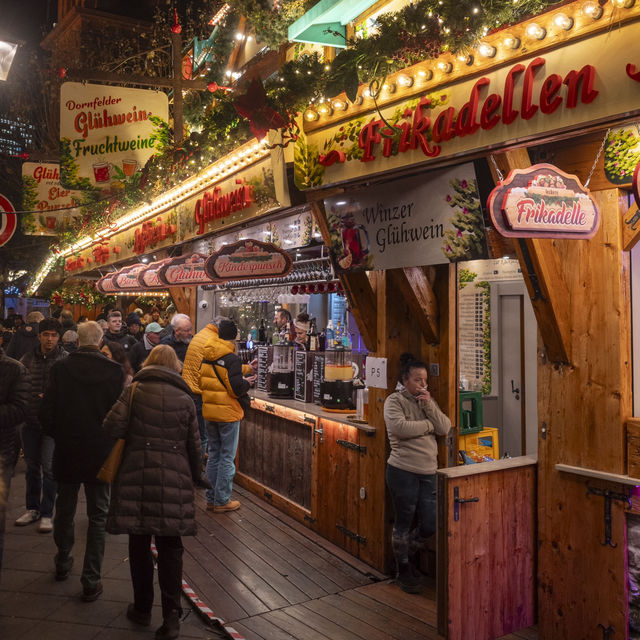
[[97, 494], [223, 445], [41, 485], [412, 494]]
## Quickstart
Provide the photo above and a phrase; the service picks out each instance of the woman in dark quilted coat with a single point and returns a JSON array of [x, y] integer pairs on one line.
[[152, 493]]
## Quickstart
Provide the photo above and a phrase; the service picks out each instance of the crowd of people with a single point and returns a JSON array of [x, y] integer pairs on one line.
[[70, 388]]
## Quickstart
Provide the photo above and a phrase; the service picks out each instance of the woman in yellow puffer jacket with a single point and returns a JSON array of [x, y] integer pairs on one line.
[[224, 399]]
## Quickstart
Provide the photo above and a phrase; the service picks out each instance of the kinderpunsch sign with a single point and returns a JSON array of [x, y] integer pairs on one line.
[[106, 134]]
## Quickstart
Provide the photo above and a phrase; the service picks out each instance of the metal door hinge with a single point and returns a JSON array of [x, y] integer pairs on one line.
[[308, 518], [457, 501], [310, 420], [270, 408], [319, 432], [352, 445], [607, 632], [608, 497], [350, 534]]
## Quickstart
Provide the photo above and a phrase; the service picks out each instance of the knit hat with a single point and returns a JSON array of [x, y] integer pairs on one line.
[[153, 327], [227, 330], [133, 318]]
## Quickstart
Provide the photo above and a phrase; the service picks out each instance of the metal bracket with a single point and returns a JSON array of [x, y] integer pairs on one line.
[[270, 408], [308, 518], [352, 445], [320, 432], [310, 420], [457, 501], [350, 534], [608, 497], [607, 632]]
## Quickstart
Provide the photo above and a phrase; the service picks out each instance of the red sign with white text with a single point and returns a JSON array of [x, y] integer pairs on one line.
[[8, 220], [185, 270], [543, 202], [248, 259]]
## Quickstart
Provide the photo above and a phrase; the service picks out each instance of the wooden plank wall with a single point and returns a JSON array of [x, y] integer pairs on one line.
[[582, 408]]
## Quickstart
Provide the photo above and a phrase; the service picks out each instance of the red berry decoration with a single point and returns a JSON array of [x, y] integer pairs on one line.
[[176, 28], [294, 289], [61, 72]]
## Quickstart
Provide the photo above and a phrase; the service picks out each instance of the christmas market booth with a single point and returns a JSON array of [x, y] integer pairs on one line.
[[479, 212], [477, 208]]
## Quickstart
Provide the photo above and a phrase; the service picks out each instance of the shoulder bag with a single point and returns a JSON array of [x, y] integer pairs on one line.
[[111, 465]]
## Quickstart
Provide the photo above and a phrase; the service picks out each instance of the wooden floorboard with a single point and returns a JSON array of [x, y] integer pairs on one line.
[[270, 578]]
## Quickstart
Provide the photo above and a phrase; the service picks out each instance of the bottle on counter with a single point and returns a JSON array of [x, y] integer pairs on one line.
[[254, 332], [322, 341], [262, 332], [312, 340], [329, 335]]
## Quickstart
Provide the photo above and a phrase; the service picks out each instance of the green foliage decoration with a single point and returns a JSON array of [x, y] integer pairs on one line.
[[466, 240]]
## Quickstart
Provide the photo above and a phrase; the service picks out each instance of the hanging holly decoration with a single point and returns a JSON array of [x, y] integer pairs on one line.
[[79, 292]]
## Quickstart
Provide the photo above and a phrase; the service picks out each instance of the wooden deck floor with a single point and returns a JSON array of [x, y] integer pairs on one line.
[[271, 578]]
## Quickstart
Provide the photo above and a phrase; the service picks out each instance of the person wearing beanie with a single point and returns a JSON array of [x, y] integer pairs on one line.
[[224, 401], [140, 350], [191, 370], [134, 326], [25, 338], [38, 448]]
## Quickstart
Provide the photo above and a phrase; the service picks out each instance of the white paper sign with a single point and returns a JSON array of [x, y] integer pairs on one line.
[[376, 372]]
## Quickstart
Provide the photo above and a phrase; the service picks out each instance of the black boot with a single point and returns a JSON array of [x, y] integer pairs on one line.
[[170, 628], [408, 579]]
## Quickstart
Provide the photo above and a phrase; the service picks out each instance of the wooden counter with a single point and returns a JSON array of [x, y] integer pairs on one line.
[[307, 462]]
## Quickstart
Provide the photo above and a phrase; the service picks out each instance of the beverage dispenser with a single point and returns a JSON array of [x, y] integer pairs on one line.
[[280, 379], [337, 388]]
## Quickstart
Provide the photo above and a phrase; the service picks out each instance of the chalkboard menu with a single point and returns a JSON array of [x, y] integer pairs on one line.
[[263, 368], [318, 377], [300, 386]]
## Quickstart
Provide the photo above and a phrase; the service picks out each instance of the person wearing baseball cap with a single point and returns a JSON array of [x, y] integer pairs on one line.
[[139, 352], [134, 326]]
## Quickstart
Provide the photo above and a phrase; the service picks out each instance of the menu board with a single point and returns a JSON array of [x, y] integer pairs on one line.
[[318, 378], [474, 337], [263, 367], [300, 387]]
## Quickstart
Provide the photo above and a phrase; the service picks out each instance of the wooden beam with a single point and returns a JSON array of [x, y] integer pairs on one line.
[[543, 277], [184, 299], [91, 75], [360, 294], [417, 291]]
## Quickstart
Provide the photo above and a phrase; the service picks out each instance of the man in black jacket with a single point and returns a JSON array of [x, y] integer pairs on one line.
[[116, 333], [14, 399], [38, 448], [81, 391]]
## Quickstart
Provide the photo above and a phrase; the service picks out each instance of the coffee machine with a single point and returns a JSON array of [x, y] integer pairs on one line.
[[281, 374], [337, 388]]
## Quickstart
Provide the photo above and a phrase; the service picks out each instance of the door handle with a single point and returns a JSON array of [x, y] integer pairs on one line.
[[515, 391], [457, 501]]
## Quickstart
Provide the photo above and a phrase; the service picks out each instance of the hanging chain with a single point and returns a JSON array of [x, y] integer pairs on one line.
[[595, 162], [496, 167]]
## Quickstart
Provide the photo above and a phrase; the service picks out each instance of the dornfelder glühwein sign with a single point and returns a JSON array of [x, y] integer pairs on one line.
[[561, 90], [543, 202]]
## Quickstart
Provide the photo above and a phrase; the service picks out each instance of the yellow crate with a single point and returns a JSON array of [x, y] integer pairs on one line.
[[483, 443]]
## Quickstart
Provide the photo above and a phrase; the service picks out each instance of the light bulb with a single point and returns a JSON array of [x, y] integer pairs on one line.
[[339, 105], [310, 115], [487, 50], [366, 93], [405, 80], [325, 109], [536, 32], [563, 21], [389, 87], [445, 67], [425, 74], [465, 59], [624, 4]]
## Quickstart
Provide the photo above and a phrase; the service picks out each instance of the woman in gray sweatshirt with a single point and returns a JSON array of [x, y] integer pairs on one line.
[[413, 421]]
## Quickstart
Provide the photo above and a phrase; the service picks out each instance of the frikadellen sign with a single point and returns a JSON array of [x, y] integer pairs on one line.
[[543, 202], [562, 90]]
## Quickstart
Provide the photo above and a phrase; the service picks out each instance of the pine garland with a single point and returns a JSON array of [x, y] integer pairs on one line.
[[417, 32]]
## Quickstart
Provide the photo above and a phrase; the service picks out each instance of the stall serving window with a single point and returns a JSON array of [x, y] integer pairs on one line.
[[497, 337]]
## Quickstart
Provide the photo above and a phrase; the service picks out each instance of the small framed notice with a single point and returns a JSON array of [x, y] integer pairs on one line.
[[376, 372]]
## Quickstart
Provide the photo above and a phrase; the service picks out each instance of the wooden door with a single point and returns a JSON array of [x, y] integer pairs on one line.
[[337, 457], [486, 549]]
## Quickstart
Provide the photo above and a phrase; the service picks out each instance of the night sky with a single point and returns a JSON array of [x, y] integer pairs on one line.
[[26, 19]]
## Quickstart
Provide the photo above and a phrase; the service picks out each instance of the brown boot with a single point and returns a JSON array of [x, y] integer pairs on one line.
[[170, 629], [232, 505]]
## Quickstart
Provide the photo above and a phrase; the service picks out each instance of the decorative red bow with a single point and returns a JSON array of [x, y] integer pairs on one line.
[[253, 106]]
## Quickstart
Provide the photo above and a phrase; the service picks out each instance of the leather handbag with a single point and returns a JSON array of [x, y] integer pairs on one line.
[[111, 465]]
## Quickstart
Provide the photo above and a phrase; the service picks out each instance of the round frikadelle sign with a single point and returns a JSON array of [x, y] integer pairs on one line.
[[8, 220]]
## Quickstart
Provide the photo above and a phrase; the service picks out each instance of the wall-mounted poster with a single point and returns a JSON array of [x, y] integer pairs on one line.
[[422, 220], [106, 134], [50, 204]]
